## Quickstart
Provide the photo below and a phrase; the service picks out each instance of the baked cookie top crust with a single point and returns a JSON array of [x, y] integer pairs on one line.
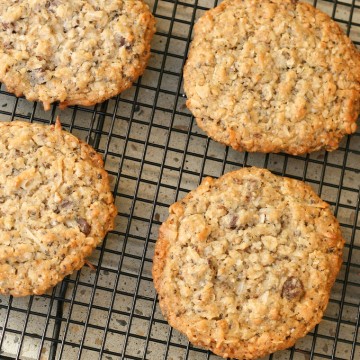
[[244, 264], [55, 206], [272, 76], [75, 52]]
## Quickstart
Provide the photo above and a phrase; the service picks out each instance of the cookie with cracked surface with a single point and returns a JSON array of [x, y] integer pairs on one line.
[[75, 52], [272, 76], [55, 205], [244, 264]]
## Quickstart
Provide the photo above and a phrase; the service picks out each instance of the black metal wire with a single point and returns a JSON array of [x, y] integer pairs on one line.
[[57, 326], [150, 141]]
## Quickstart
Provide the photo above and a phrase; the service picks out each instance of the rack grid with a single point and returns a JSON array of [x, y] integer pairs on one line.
[[155, 154]]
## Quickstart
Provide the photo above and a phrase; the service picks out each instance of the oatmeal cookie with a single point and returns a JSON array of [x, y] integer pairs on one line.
[[75, 52], [55, 206], [272, 76], [244, 264]]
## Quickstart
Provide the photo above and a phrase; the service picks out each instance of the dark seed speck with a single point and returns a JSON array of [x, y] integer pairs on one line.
[[232, 225], [120, 39], [65, 204]]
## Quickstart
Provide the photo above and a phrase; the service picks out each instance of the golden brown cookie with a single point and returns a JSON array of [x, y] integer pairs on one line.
[[75, 52], [272, 76], [55, 206], [244, 264]]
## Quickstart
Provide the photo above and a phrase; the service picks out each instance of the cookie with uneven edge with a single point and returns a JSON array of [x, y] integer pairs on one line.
[[78, 52], [55, 204], [244, 264], [272, 76]]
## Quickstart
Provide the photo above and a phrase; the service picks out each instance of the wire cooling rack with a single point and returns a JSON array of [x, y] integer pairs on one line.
[[155, 154]]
